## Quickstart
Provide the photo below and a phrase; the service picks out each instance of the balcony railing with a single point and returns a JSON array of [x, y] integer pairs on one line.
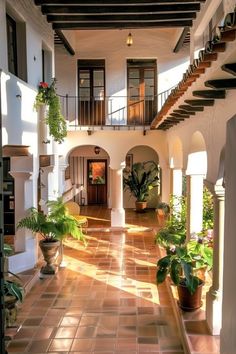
[[111, 110]]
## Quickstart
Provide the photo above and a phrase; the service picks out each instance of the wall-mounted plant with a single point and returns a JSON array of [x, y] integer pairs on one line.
[[47, 95]]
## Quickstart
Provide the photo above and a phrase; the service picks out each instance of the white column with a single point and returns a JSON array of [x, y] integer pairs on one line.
[[61, 182], [194, 203], [214, 295], [20, 179], [228, 331], [117, 212], [177, 182]]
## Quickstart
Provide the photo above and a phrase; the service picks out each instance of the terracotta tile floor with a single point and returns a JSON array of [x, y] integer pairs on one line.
[[105, 300]]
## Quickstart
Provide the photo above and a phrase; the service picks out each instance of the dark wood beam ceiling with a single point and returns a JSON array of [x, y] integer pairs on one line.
[[108, 14]]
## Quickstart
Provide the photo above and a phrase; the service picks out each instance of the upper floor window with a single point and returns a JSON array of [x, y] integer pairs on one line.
[[16, 46], [12, 45]]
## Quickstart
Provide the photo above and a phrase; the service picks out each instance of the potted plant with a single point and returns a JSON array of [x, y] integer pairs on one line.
[[47, 96], [182, 264], [173, 232], [163, 211], [12, 290], [53, 228], [140, 180]]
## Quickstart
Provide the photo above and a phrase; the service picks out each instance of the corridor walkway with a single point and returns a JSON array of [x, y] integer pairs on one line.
[[105, 300]]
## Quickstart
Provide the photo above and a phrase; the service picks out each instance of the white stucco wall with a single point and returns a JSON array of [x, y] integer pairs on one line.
[[111, 46], [118, 143]]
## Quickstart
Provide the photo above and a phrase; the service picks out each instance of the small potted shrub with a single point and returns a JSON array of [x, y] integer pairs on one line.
[[173, 232], [140, 180], [163, 211], [182, 264]]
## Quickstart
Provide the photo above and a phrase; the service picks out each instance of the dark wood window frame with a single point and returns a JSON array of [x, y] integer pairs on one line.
[[12, 45]]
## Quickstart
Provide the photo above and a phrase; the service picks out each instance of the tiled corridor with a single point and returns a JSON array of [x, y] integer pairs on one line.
[[104, 301]]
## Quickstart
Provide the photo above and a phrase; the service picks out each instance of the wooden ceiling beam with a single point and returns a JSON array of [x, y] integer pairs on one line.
[[200, 102], [118, 25], [183, 111], [181, 39], [229, 68], [114, 9], [65, 42], [218, 94], [113, 2], [121, 18], [227, 84], [191, 109]]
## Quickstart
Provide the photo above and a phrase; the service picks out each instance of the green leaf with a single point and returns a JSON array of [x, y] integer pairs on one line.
[[175, 271], [161, 275]]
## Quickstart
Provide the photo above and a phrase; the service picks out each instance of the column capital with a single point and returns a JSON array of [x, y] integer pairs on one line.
[[219, 190], [21, 174]]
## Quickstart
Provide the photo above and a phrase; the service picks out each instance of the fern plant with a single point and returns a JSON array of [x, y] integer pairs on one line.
[[55, 120], [53, 226]]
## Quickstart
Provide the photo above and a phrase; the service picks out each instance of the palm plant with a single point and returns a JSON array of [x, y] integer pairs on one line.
[[143, 177]]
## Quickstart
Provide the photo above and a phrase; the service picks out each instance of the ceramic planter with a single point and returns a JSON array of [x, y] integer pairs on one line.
[[49, 250], [187, 301], [140, 206]]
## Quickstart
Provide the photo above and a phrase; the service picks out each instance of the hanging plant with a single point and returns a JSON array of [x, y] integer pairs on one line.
[[55, 120]]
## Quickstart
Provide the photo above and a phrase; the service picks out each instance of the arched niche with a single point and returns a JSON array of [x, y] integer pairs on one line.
[[142, 153], [82, 161], [176, 154], [197, 156]]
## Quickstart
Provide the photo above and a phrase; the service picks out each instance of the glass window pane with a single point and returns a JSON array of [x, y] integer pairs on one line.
[[134, 73], [84, 83], [84, 74], [134, 83], [149, 73], [133, 94], [149, 82], [84, 94], [149, 91], [98, 93], [97, 173], [98, 78]]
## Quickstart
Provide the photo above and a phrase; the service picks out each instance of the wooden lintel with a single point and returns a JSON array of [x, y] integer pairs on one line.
[[227, 84]]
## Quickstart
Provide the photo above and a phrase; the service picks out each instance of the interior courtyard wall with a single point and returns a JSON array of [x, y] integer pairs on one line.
[[212, 125], [111, 46], [118, 143]]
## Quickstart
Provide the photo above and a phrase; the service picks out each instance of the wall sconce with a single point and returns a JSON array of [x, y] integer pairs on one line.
[[129, 40], [97, 150]]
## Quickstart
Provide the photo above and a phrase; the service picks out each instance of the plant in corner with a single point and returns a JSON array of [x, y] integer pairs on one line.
[[47, 95], [182, 264], [173, 233], [53, 228], [12, 290], [140, 180]]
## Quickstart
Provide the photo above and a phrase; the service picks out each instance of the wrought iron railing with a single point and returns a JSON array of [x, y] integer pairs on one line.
[[111, 110]]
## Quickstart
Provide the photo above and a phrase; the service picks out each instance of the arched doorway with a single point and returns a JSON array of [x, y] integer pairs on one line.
[[89, 175]]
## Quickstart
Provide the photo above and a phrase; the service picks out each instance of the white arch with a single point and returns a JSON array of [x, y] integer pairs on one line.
[[197, 157]]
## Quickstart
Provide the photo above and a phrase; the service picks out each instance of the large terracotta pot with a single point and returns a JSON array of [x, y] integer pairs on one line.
[[49, 250], [140, 206], [187, 301]]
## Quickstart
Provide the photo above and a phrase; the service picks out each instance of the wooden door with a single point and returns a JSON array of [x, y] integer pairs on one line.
[[91, 104], [141, 94], [97, 181]]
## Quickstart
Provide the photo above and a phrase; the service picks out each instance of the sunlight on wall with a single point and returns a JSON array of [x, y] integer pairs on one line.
[[27, 103], [171, 77], [197, 163], [30, 139], [4, 136], [5, 78]]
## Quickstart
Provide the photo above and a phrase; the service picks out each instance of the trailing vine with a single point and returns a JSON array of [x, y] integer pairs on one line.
[[55, 120]]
